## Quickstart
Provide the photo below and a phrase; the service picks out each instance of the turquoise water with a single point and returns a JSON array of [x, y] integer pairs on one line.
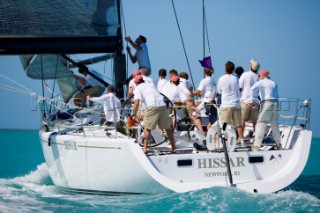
[[25, 186]]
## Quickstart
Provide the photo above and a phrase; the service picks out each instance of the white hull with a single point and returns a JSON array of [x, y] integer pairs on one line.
[[100, 164]]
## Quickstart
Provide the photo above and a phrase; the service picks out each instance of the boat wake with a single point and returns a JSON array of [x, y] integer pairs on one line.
[[36, 192]]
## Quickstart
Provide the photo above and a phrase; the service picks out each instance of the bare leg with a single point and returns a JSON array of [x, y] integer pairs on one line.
[[242, 128], [171, 139], [240, 132], [197, 122], [145, 144]]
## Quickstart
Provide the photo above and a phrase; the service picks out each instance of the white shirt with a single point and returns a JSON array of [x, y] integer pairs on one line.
[[173, 92], [161, 82], [228, 87], [183, 87], [148, 95], [132, 84], [247, 80], [111, 106], [207, 84], [143, 56], [188, 83], [91, 81], [268, 89], [147, 80]]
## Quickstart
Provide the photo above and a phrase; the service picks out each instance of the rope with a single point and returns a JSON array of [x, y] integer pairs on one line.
[[206, 27], [183, 45]]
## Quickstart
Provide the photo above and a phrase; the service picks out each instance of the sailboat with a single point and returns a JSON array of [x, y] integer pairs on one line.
[[84, 156]]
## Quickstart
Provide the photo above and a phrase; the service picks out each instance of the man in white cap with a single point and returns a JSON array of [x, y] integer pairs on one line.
[[249, 101], [268, 91]]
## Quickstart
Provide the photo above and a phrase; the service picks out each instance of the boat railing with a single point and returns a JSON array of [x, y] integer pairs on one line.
[[293, 110]]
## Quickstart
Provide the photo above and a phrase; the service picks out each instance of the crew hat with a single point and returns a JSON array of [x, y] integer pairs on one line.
[[254, 64], [264, 73], [174, 78], [136, 72]]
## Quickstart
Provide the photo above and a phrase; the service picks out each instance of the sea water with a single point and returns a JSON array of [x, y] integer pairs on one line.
[[25, 186]]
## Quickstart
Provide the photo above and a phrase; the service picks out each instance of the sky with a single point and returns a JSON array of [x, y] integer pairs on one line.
[[282, 35]]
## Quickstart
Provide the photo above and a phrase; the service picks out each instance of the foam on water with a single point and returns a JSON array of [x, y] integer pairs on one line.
[[35, 192]]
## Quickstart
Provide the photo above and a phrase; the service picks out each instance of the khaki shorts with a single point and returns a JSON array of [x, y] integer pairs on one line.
[[189, 110], [249, 112], [156, 116], [231, 114]]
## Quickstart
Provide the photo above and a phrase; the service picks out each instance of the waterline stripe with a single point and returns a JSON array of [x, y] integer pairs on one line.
[[94, 147]]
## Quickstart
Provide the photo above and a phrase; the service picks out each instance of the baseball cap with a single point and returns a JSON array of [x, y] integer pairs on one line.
[[264, 73], [254, 65], [136, 72]]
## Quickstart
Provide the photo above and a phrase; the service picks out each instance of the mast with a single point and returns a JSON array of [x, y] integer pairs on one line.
[[120, 74]]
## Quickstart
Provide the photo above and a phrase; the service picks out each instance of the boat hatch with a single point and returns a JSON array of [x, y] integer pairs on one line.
[[256, 159], [186, 162]]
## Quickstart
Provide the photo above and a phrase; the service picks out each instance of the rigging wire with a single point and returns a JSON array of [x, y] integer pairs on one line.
[[183, 45], [54, 81], [42, 83], [15, 82], [205, 28], [16, 90], [125, 34]]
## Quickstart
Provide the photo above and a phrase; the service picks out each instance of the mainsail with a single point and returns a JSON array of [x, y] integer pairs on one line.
[[56, 26], [41, 30]]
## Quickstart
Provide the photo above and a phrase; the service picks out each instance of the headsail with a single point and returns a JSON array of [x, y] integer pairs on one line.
[[45, 66], [51, 67]]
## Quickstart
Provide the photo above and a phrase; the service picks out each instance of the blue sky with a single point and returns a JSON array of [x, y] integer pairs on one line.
[[281, 35]]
